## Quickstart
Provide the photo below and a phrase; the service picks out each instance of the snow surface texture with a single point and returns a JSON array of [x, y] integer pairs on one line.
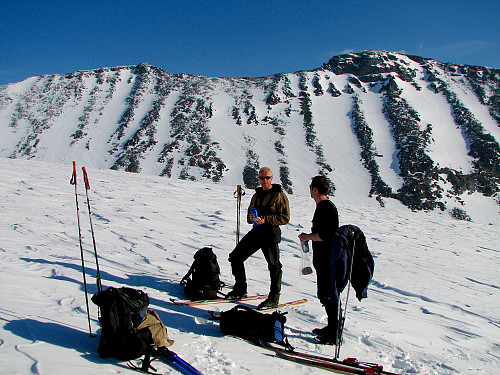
[[433, 306]]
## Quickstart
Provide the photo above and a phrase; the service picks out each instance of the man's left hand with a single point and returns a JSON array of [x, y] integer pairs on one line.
[[260, 220]]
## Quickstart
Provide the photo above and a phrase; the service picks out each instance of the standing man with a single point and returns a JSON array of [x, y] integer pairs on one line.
[[324, 225], [273, 210]]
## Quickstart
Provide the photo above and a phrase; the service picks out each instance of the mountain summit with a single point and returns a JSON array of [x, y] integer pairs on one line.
[[378, 124]]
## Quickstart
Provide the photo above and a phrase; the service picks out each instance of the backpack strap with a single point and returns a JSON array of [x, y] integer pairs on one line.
[[187, 277], [286, 343], [146, 363]]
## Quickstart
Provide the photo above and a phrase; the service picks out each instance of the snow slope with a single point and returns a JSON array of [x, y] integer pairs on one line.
[[433, 306], [143, 119]]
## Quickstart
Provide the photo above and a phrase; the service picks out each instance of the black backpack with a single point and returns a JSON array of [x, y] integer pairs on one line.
[[254, 326], [120, 317], [202, 280]]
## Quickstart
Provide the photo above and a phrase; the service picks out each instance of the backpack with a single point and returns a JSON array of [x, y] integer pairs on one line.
[[125, 335], [202, 280], [254, 326]]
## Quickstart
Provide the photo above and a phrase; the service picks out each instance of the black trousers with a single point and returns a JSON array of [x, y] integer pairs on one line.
[[332, 311], [265, 238]]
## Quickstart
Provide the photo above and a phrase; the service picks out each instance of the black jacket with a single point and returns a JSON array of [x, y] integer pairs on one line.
[[363, 264], [349, 247]]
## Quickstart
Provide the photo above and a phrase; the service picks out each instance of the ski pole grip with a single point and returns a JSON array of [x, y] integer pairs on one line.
[[86, 179], [73, 176], [239, 192]]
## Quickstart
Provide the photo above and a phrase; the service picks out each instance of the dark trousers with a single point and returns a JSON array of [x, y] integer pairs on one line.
[[332, 311], [265, 238], [331, 272]]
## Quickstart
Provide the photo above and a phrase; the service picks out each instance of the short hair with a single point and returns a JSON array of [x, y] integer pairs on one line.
[[321, 183], [265, 169]]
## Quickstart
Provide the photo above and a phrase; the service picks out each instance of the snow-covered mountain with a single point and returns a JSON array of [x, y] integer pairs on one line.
[[380, 125]]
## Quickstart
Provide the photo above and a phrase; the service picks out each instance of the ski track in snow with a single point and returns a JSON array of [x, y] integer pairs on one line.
[[433, 306]]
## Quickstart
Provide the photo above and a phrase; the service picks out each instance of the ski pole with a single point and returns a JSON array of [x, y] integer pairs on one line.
[[238, 194], [343, 316], [73, 182], [87, 188]]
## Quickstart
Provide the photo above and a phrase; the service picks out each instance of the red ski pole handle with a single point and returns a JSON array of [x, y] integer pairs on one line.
[[73, 176], [86, 179]]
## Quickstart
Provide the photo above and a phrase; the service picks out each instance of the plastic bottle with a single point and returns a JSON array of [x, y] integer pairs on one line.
[[254, 212], [305, 259]]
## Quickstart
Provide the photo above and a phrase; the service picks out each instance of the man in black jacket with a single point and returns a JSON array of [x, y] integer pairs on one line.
[[324, 225]]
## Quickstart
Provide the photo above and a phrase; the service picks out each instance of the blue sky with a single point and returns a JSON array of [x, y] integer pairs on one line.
[[237, 38]]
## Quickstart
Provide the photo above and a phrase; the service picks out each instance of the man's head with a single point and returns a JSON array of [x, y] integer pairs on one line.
[[266, 178], [321, 183]]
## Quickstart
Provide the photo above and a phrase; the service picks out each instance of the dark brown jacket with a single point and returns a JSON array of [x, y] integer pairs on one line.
[[272, 205]]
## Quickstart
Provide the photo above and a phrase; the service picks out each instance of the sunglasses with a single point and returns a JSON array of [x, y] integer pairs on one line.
[[265, 177]]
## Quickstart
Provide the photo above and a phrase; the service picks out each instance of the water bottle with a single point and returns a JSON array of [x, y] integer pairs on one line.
[[305, 258], [254, 212]]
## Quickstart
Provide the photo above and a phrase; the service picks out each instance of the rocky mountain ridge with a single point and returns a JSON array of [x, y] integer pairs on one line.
[[408, 128]]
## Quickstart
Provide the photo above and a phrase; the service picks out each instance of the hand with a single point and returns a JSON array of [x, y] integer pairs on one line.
[[259, 220], [304, 237]]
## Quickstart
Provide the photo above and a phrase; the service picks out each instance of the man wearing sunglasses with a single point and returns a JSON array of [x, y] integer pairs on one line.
[[273, 210]]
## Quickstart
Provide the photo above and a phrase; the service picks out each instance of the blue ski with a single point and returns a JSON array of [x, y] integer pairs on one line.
[[169, 357], [172, 359]]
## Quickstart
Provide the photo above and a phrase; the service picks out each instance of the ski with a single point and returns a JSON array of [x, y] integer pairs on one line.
[[215, 315], [330, 366], [344, 365], [171, 358], [167, 356], [286, 304], [216, 300]]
